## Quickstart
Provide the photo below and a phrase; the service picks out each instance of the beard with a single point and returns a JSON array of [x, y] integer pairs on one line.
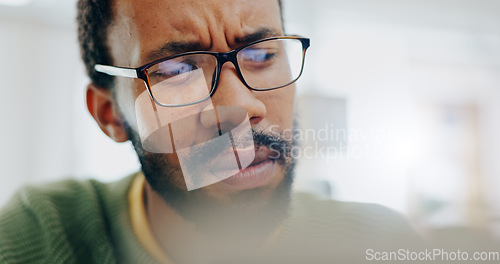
[[254, 212]]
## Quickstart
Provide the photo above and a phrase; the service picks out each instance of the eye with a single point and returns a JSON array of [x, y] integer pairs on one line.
[[169, 69], [172, 72], [257, 57]]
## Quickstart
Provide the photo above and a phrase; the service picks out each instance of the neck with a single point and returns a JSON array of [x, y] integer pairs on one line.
[[180, 239]]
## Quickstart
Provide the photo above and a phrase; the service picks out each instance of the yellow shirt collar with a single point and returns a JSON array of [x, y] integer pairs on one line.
[[142, 230], [140, 224]]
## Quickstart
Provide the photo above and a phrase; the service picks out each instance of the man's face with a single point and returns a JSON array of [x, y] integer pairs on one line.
[[138, 35]]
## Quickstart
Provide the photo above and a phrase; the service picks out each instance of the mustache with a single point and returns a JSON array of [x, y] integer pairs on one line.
[[280, 146]]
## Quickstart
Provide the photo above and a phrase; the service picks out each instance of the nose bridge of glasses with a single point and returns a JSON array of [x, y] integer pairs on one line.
[[224, 57], [230, 56]]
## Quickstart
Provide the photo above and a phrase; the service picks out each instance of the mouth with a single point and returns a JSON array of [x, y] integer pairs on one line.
[[258, 173]]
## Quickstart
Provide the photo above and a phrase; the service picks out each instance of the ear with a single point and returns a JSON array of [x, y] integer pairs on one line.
[[104, 110]]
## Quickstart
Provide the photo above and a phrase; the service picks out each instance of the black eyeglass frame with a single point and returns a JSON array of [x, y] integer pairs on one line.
[[221, 57]]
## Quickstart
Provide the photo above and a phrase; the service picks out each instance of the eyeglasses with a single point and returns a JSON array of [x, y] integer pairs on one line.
[[192, 77]]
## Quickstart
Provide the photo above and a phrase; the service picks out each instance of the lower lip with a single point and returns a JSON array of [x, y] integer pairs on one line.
[[252, 177]]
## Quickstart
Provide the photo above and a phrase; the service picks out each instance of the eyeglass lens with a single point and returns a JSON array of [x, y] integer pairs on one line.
[[190, 78]]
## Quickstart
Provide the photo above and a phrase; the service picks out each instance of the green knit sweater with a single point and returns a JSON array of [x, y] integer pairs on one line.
[[88, 222]]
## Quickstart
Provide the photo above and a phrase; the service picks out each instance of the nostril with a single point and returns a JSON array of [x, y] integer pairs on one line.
[[255, 120]]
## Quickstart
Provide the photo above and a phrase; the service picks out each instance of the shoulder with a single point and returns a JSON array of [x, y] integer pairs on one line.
[[348, 214], [360, 225], [47, 221], [327, 231]]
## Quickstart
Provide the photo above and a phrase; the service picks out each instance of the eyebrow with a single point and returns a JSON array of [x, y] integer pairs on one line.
[[177, 47], [261, 33], [172, 48]]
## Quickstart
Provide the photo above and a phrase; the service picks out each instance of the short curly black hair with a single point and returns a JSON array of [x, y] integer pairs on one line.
[[93, 19]]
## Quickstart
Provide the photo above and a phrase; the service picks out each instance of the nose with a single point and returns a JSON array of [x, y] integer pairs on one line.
[[231, 93]]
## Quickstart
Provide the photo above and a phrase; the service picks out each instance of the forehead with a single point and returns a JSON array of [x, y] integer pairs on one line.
[[141, 26]]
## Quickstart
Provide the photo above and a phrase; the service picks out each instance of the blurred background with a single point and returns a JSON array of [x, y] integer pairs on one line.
[[399, 105]]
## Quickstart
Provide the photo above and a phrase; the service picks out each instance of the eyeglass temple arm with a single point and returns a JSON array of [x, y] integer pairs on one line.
[[116, 71]]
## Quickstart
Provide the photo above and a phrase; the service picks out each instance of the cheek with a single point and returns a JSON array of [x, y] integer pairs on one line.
[[157, 126], [125, 93], [280, 106]]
